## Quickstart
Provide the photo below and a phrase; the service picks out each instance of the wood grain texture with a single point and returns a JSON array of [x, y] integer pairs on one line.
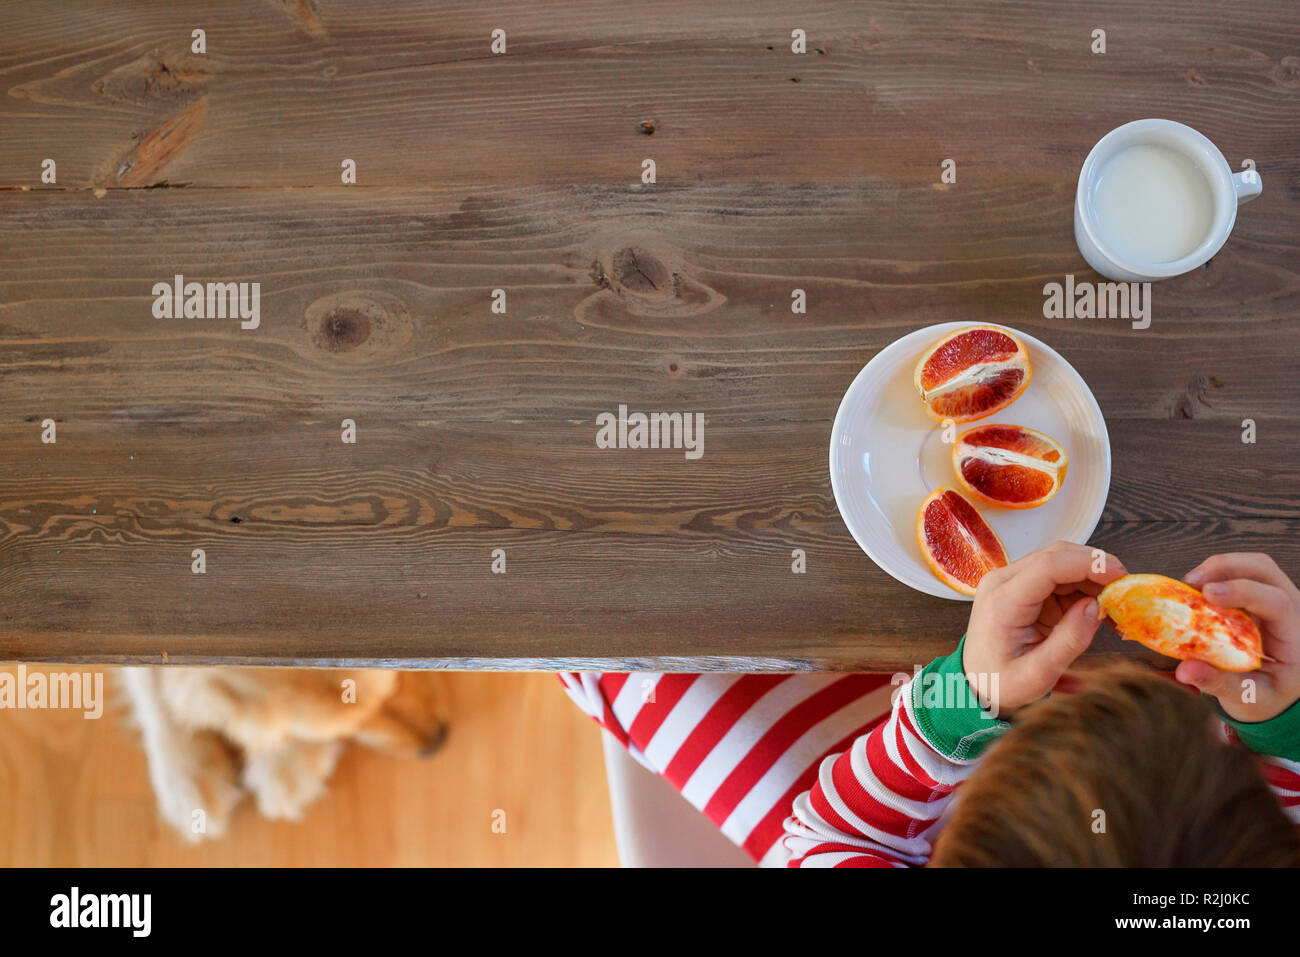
[[412, 92], [76, 793], [476, 431]]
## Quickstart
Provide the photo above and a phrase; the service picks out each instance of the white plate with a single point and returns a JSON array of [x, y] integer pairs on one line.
[[888, 454]]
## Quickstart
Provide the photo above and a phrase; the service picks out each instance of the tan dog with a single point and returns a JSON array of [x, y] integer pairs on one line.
[[213, 735]]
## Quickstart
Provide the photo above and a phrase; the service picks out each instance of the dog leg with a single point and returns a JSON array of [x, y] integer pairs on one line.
[[191, 771], [287, 777]]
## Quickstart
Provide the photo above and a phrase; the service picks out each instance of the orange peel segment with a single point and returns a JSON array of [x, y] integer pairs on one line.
[[1175, 619]]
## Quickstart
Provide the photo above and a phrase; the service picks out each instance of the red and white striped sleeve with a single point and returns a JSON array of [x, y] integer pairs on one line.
[[879, 803], [1276, 744], [1283, 777]]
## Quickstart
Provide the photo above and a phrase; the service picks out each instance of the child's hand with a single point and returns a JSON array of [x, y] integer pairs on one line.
[[1031, 620], [1255, 584]]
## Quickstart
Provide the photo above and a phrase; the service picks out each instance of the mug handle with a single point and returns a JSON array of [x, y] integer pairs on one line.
[[1247, 185]]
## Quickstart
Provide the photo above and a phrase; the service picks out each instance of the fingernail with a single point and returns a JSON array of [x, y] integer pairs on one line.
[[1216, 589], [1194, 577], [1092, 611]]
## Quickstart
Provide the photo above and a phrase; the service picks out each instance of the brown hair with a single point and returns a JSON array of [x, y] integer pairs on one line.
[[1125, 773]]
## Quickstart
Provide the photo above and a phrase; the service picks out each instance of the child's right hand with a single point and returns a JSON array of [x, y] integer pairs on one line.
[[1034, 617], [1253, 583]]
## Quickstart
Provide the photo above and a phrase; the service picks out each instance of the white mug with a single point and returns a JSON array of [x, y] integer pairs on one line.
[[1227, 189]]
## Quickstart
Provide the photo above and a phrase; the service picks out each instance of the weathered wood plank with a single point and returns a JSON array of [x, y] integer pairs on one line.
[[412, 92], [425, 597]]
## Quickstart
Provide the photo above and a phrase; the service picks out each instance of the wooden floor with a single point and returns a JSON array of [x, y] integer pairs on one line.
[[75, 792]]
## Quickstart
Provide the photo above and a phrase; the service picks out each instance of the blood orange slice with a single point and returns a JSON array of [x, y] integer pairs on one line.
[[971, 373], [954, 538], [1009, 466], [1173, 618]]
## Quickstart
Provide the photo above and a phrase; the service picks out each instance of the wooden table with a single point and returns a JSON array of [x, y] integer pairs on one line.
[[523, 172]]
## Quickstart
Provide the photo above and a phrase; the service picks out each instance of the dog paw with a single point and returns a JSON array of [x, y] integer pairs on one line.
[[197, 786], [288, 779]]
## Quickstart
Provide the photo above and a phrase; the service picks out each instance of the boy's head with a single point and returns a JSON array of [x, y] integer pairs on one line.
[[1126, 773]]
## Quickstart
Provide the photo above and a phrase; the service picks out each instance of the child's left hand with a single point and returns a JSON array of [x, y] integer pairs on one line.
[[1253, 583]]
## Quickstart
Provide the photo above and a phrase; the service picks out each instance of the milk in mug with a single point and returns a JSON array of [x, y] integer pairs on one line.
[[1152, 203]]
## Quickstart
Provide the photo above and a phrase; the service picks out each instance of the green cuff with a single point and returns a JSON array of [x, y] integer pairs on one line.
[[947, 710], [1279, 736]]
